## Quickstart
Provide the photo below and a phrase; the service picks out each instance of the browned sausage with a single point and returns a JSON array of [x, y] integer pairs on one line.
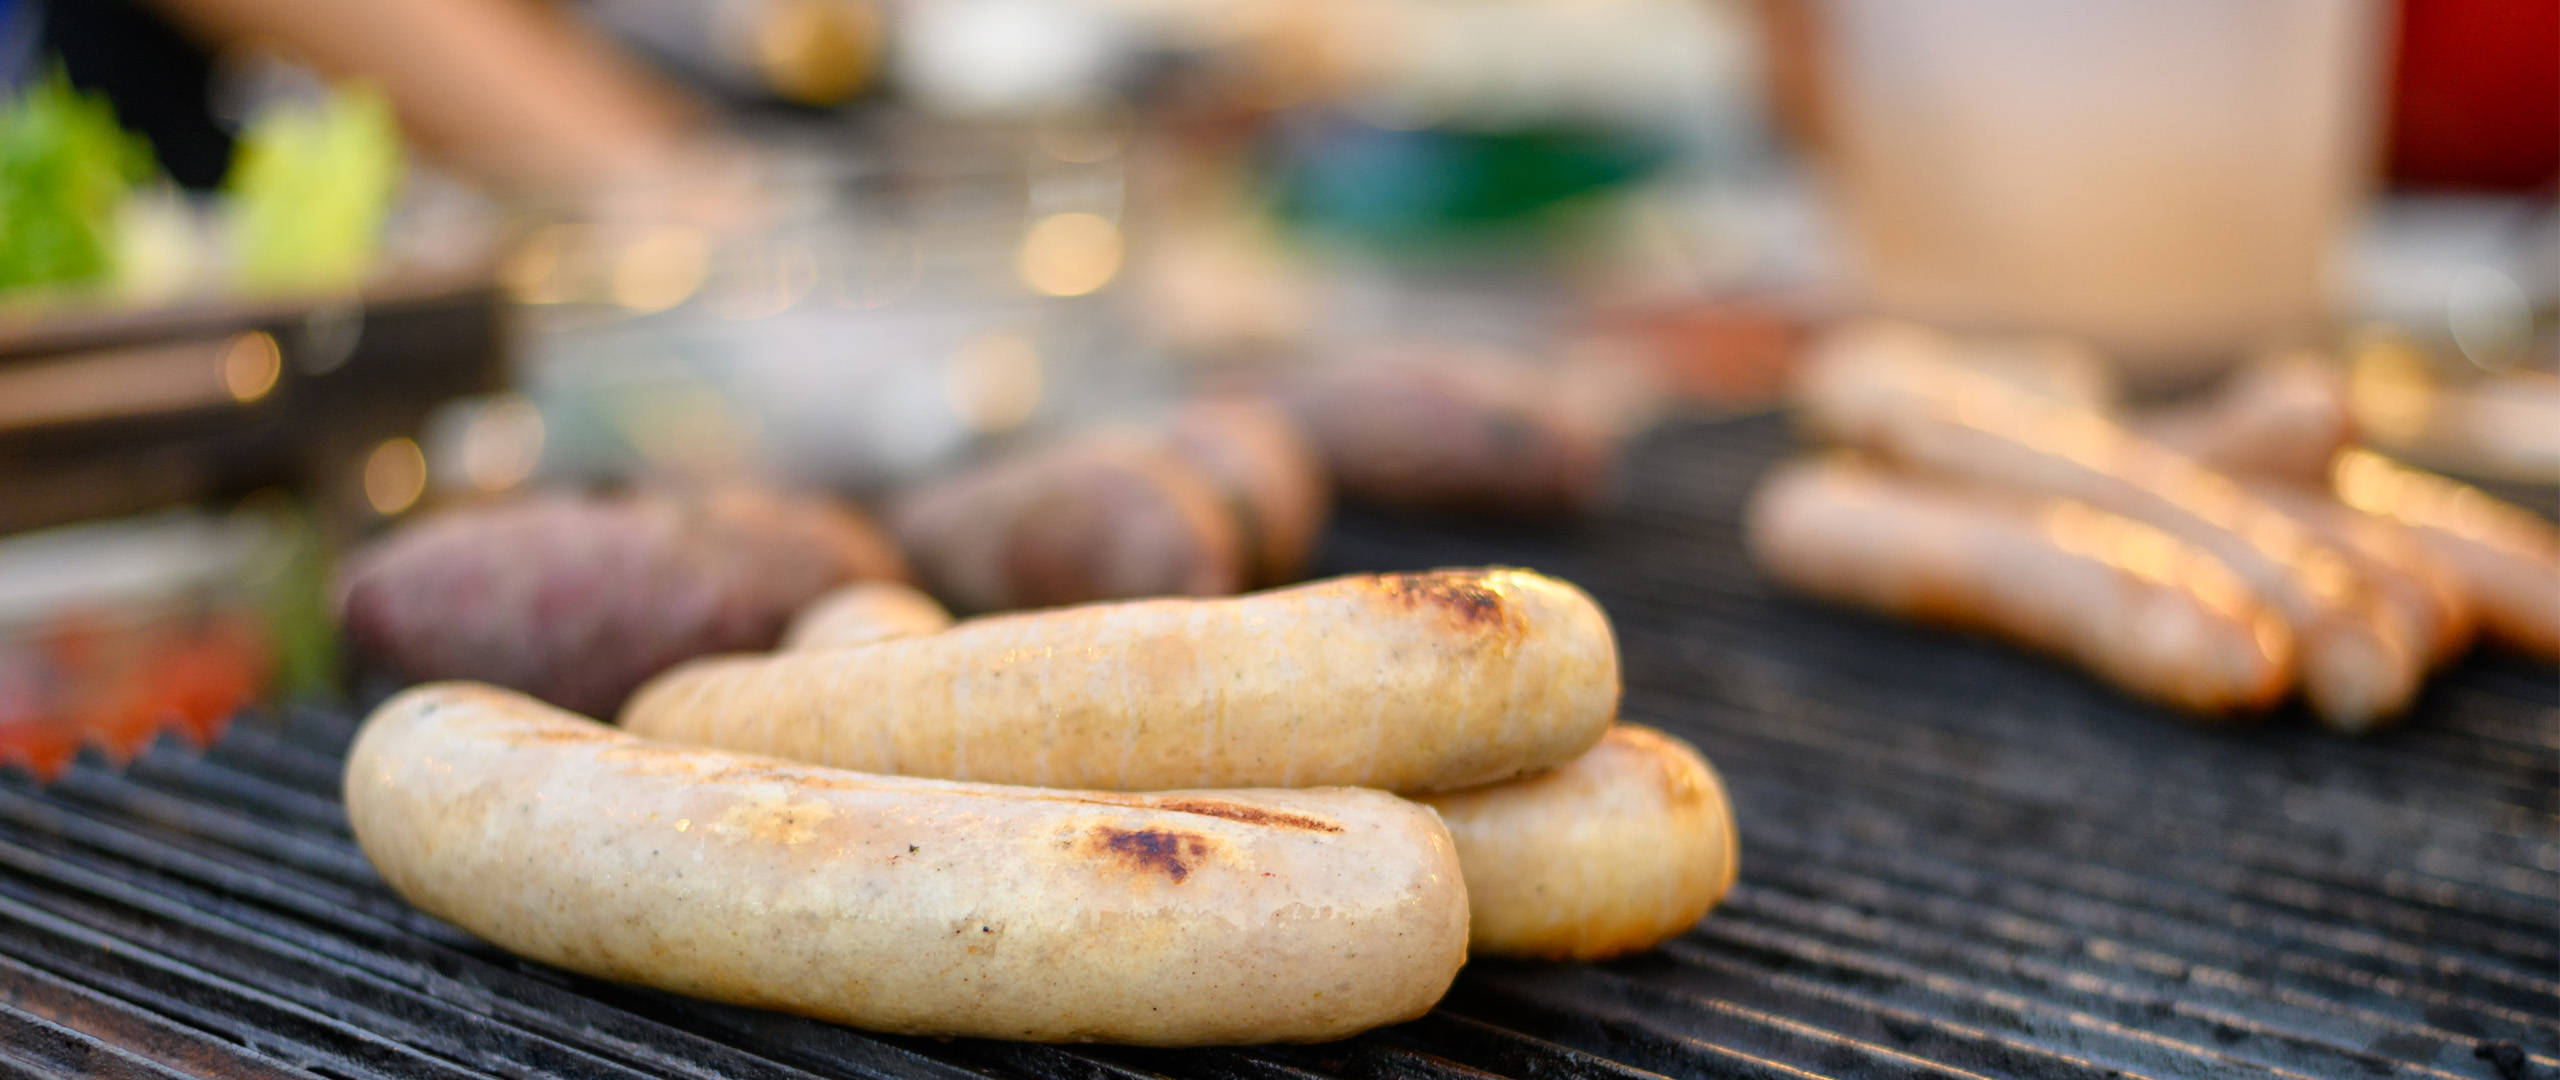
[[576, 599], [2160, 618], [2421, 589], [1454, 431], [2508, 558], [1104, 517], [2284, 417], [2360, 666], [1274, 485]]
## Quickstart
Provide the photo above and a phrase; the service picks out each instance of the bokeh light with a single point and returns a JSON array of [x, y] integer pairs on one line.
[[994, 382], [1071, 254], [661, 269], [250, 365], [502, 443], [395, 474]]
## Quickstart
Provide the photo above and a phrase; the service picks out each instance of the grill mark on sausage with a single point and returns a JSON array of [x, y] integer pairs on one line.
[[1250, 815], [1462, 595], [1167, 851]]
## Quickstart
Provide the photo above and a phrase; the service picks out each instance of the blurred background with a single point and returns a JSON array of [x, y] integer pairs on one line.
[[275, 274]]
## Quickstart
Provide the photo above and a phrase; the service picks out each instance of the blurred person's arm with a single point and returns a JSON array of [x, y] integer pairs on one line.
[[511, 91]]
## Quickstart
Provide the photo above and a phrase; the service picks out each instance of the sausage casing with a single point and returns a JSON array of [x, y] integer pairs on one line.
[[1108, 516], [2155, 616], [864, 612], [1408, 682], [2359, 664], [907, 905], [1623, 848], [2507, 557], [1452, 430], [2285, 416], [1267, 471], [1610, 853]]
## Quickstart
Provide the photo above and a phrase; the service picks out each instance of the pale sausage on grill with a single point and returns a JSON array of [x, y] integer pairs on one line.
[[1408, 682], [907, 905], [1625, 847], [1610, 853], [2414, 584], [864, 612]]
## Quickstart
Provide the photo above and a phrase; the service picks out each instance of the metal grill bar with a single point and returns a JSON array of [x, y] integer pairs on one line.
[[1960, 862], [40, 995]]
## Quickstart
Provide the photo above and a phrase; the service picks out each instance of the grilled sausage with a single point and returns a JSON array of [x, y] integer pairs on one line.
[[1624, 848], [2058, 369], [2284, 417], [2359, 663], [1105, 517], [2414, 584], [2157, 617], [1611, 853], [2507, 558], [1267, 472], [904, 905], [1454, 431], [1409, 682]]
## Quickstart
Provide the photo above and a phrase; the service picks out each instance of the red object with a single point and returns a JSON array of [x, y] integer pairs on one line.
[[41, 748], [2476, 100], [87, 680]]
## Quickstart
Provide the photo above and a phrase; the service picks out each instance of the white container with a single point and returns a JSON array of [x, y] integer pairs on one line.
[[2168, 178]]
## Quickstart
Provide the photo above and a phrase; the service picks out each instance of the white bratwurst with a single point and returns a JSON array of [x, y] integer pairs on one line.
[[906, 905]]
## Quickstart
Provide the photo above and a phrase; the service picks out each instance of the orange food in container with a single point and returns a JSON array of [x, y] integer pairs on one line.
[[112, 634]]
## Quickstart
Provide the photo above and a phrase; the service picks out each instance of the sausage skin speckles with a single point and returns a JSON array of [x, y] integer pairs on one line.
[[776, 821], [998, 912]]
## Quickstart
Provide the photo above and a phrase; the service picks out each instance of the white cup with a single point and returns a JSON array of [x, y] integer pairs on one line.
[[2168, 179]]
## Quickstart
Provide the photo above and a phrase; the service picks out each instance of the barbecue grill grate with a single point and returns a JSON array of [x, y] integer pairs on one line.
[[1959, 862]]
